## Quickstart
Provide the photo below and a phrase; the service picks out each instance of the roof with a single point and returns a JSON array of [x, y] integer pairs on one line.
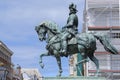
[[6, 48]]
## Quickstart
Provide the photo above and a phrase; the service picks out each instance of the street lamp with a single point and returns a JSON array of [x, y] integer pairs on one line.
[[3, 73]]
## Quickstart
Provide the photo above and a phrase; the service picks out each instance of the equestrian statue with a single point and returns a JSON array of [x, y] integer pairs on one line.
[[66, 42]]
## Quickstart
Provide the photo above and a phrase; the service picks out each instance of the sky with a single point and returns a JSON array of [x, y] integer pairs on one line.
[[18, 19]]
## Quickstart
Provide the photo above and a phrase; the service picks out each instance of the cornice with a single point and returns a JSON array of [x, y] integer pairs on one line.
[[5, 49]]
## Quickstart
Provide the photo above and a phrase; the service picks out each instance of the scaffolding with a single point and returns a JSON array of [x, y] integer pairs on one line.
[[101, 13], [103, 16], [109, 66]]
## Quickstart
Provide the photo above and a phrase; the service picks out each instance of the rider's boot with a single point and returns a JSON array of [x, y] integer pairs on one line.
[[64, 47]]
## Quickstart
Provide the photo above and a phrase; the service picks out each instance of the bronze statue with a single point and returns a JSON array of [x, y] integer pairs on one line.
[[81, 43]]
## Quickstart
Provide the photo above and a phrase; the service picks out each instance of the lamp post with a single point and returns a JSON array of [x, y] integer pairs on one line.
[[3, 73]]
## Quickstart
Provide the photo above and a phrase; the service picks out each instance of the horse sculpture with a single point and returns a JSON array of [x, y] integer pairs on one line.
[[85, 44]]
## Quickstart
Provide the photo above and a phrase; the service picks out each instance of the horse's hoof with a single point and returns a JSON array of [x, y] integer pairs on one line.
[[58, 75], [42, 65]]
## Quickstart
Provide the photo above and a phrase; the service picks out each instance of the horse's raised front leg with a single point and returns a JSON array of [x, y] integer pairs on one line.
[[42, 55], [59, 65]]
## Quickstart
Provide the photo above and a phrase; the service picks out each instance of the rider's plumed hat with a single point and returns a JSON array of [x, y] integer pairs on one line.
[[73, 6]]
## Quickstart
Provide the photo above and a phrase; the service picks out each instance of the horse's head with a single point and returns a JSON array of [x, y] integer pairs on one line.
[[47, 27], [41, 31]]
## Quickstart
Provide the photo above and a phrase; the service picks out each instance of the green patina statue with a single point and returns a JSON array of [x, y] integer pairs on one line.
[[70, 29], [69, 41]]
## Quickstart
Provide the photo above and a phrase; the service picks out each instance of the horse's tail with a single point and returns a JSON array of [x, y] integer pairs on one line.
[[106, 43]]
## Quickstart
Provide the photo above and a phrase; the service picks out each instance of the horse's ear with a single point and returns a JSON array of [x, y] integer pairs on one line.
[[43, 24]]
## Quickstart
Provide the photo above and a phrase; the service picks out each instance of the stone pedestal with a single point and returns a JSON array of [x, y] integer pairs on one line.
[[74, 78]]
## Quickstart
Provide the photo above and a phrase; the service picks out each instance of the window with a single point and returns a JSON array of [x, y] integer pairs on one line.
[[115, 35]]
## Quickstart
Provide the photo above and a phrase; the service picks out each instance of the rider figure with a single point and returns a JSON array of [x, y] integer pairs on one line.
[[71, 27]]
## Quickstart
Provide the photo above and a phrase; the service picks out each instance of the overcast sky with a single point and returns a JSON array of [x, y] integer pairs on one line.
[[18, 19]]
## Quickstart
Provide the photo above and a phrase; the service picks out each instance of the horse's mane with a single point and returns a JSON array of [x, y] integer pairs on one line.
[[51, 25]]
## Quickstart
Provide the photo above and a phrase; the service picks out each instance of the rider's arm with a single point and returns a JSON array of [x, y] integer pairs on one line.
[[70, 22]]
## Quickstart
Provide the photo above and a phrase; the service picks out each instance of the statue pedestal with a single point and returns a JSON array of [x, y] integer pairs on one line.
[[74, 78]]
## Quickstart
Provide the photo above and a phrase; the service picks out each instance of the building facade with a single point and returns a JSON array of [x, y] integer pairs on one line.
[[5, 61], [31, 74], [103, 16], [17, 73]]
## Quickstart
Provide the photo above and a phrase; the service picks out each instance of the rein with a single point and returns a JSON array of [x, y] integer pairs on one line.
[[54, 42], [51, 44], [56, 34]]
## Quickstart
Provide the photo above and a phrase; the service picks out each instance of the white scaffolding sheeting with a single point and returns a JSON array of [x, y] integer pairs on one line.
[[103, 16], [102, 13]]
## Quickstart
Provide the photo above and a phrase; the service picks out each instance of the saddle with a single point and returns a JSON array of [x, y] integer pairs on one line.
[[80, 39]]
